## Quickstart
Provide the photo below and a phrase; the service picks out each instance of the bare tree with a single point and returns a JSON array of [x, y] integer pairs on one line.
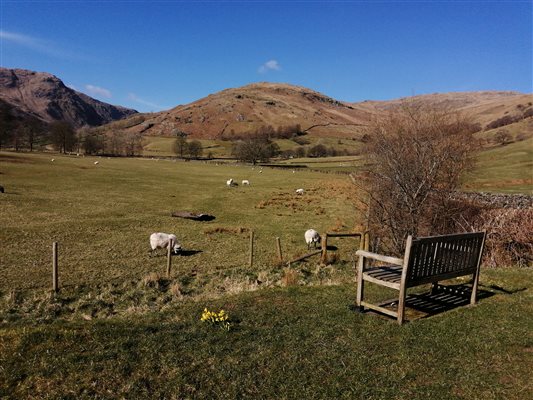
[[416, 156], [194, 148], [62, 135], [180, 145], [255, 148], [133, 144]]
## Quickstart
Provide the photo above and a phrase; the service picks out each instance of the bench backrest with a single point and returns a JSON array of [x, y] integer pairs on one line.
[[443, 257]]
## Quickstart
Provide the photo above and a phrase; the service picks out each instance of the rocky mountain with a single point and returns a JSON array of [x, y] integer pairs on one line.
[[45, 97], [239, 111]]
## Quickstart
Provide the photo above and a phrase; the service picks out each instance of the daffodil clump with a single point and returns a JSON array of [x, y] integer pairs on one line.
[[220, 319]]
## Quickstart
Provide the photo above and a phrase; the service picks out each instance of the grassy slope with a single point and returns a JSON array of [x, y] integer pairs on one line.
[[102, 215], [291, 343], [504, 169]]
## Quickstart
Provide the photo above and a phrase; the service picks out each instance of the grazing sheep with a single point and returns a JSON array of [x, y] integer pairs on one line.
[[96, 163], [161, 240], [230, 182], [53, 159], [245, 182], [299, 191], [311, 236]]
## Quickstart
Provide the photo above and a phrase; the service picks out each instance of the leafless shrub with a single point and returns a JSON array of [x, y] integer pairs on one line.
[[509, 240], [503, 137], [416, 155], [290, 277], [509, 235]]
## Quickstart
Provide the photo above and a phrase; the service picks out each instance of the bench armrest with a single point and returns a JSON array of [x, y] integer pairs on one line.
[[379, 257]]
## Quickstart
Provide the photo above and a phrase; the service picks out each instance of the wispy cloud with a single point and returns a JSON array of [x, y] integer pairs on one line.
[[40, 45], [98, 91], [137, 99], [271, 65]]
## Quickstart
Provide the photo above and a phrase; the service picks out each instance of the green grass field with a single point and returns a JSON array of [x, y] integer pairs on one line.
[[286, 343], [102, 215], [120, 329], [507, 169]]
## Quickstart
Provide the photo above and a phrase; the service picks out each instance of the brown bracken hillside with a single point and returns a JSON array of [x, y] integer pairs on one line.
[[240, 111]]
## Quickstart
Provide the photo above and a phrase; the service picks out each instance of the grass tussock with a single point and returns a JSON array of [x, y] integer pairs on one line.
[[239, 230], [290, 277]]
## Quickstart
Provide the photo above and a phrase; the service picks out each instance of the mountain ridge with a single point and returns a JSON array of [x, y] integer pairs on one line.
[[44, 96]]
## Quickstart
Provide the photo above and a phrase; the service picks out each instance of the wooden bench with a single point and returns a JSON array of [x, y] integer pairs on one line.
[[426, 260]]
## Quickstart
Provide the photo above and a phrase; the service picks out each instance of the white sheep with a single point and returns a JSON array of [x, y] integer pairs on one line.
[[53, 159], [230, 182], [299, 191], [96, 163], [311, 236], [161, 240], [245, 182]]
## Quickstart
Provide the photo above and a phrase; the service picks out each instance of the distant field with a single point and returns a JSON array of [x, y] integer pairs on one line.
[[102, 215], [162, 146], [506, 169]]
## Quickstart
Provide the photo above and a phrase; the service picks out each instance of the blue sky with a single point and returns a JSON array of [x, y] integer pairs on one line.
[[154, 55]]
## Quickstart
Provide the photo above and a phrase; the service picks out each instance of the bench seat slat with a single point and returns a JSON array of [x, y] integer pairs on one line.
[[389, 276]]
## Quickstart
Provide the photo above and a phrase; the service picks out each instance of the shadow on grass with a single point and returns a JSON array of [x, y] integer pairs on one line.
[[443, 299], [188, 253]]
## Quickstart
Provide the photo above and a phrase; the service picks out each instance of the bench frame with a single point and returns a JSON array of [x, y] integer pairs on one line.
[[426, 260]]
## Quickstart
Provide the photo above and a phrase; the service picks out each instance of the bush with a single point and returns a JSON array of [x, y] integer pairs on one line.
[[509, 239], [505, 120], [416, 155]]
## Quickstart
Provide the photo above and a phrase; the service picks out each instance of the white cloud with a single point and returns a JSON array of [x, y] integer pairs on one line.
[[271, 65], [137, 99], [40, 45], [97, 91], [23, 40]]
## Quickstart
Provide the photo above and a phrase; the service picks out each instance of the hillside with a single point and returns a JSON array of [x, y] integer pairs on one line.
[[45, 97], [237, 111], [484, 107]]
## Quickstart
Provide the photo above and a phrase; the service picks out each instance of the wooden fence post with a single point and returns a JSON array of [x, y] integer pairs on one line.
[[251, 248], [278, 245], [55, 280], [169, 259], [324, 249]]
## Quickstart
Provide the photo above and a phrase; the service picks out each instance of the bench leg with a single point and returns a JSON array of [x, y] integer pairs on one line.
[[360, 283], [475, 280], [434, 287], [401, 304]]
